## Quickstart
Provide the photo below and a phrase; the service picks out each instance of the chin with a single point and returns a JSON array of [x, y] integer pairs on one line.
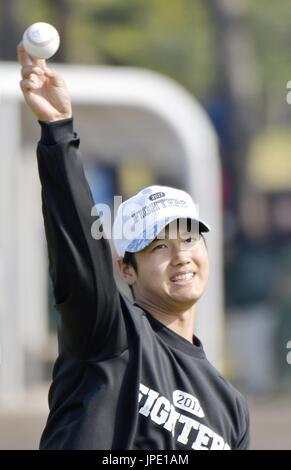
[[188, 293], [187, 299]]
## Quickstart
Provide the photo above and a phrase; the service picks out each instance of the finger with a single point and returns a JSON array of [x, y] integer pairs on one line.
[[25, 59], [53, 75], [27, 70], [28, 85], [22, 55], [39, 62]]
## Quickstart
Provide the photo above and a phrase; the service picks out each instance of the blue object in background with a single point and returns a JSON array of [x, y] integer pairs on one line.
[[102, 180]]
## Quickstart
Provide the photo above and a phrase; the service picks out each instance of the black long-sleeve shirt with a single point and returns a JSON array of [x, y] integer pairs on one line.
[[122, 379]]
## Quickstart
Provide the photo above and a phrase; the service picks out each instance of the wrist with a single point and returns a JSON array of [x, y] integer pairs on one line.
[[57, 117], [53, 132], [47, 117]]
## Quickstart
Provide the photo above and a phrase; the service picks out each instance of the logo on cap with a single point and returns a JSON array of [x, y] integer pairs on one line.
[[155, 196]]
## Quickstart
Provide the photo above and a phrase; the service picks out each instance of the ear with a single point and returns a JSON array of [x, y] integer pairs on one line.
[[126, 271]]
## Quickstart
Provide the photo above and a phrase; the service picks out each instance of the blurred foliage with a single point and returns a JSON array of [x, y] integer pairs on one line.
[[270, 26], [169, 36], [174, 37]]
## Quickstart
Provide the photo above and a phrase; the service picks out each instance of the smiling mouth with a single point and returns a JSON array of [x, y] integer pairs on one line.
[[183, 277]]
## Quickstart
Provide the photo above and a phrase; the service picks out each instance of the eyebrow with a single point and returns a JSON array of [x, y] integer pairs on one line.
[[157, 240]]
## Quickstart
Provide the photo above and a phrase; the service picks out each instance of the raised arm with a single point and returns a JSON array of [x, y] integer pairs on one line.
[[80, 267]]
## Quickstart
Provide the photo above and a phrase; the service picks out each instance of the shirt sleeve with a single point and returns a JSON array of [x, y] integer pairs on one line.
[[80, 266]]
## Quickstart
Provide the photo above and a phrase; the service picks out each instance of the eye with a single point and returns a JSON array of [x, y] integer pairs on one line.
[[191, 240], [160, 246]]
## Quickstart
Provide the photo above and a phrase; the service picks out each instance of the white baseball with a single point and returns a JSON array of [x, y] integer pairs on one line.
[[41, 40]]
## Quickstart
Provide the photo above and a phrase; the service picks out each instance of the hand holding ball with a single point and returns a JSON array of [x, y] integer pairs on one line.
[[41, 40]]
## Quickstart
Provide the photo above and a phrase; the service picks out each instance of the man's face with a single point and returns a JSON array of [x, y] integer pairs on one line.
[[172, 273]]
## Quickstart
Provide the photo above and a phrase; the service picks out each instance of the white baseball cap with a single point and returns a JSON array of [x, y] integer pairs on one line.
[[142, 217]]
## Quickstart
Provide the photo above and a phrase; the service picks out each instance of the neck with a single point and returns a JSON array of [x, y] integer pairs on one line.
[[181, 322]]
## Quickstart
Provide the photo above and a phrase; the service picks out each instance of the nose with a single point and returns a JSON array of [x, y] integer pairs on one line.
[[180, 256]]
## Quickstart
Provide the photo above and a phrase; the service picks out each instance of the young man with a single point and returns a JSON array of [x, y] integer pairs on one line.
[[128, 375]]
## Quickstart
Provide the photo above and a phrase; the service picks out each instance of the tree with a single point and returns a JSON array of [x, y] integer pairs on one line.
[[237, 81]]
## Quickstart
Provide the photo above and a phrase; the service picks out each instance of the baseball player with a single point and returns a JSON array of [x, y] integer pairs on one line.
[[129, 374]]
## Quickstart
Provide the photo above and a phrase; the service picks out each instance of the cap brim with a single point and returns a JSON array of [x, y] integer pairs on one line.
[[203, 227], [140, 243]]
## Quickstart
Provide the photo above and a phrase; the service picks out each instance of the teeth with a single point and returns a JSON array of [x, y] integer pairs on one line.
[[183, 277]]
